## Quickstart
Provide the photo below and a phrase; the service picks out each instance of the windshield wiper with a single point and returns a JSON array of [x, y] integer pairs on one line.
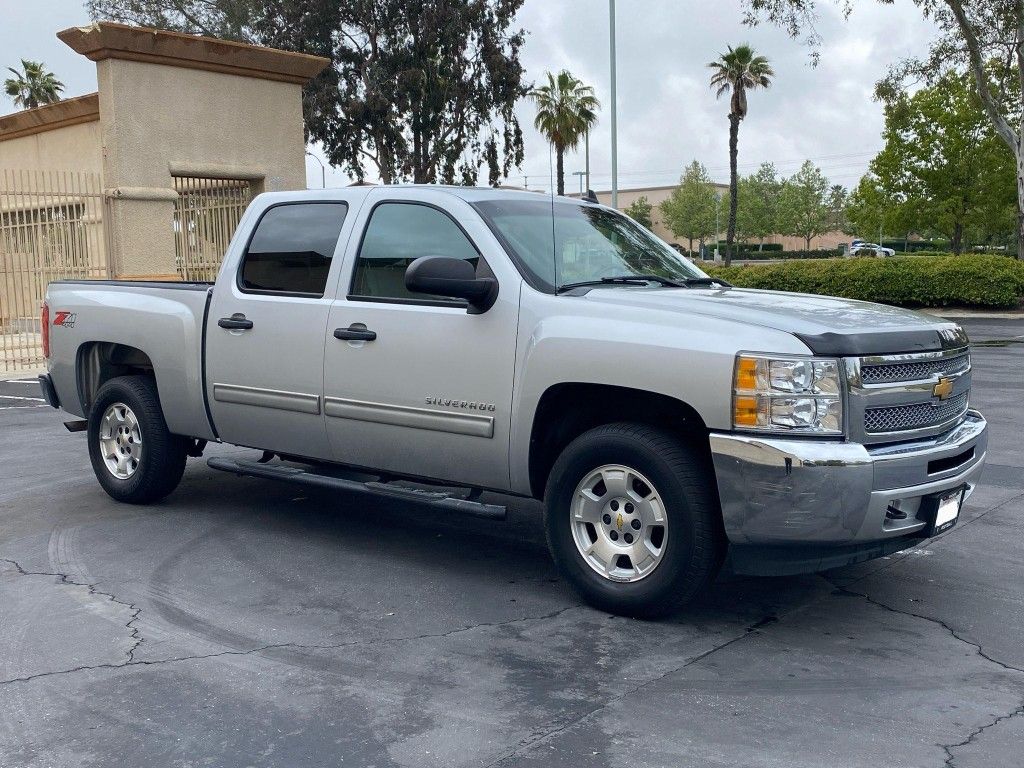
[[686, 282]]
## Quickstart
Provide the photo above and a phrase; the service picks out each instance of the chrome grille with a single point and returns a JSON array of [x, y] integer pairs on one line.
[[898, 418], [915, 370]]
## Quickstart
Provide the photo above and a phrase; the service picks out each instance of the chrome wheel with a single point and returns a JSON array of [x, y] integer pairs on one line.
[[619, 523], [120, 441]]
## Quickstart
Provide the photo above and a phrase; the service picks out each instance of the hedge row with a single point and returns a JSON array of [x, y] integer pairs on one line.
[[821, 253], [979, 281]]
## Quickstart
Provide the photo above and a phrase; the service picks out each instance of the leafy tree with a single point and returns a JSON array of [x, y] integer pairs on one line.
[[566, 109], [804, 204], [33, 86], [640, 211], [837, 197], [869, 210], [943, 167], [422, 91], [690, 211], [757, 213], [737, 71], [983, 37]]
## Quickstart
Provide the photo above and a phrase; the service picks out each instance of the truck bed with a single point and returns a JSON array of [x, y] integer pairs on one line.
[[165, 321]]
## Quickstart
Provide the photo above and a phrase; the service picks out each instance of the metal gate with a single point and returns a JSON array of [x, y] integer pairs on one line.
[[51, 228], [206, 214]]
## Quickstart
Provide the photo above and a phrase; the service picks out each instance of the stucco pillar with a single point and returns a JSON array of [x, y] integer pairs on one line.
[[180, 105]]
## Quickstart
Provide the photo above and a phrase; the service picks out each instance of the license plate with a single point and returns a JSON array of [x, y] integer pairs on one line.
[[948, 510]]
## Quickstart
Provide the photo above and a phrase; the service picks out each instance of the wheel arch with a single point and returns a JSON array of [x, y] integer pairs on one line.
[[97, 362], [567, 410]]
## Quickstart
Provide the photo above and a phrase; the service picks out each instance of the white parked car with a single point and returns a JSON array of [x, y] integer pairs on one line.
[[862, 248]]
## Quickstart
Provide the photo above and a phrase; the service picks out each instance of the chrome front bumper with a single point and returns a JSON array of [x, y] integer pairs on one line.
[[786, 493]]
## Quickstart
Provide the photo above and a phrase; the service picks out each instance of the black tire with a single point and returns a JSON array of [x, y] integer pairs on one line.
[[684, 479], [162, 462]]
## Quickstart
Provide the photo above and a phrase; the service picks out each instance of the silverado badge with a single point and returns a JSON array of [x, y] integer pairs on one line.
[[943, 389]]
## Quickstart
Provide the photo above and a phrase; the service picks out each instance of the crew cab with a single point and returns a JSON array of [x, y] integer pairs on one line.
[[431, 343]]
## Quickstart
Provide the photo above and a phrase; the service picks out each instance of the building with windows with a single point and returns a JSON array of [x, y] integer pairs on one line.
[[656, 195]]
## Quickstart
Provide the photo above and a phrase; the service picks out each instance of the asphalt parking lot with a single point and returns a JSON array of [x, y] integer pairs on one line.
[[245, 623]]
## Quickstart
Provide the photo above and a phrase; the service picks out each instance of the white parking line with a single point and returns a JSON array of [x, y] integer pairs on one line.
[[20, 407], [18, 397], [21, 381]]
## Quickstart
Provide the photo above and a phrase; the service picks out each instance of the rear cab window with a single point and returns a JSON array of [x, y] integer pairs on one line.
[[292, 248]]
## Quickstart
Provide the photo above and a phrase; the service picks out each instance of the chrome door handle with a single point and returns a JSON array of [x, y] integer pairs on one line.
[[355, 332]]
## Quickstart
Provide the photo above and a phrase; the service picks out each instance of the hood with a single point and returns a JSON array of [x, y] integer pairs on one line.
[[827, 325]]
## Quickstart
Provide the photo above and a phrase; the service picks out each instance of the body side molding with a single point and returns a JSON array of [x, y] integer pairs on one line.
[[405, 416]]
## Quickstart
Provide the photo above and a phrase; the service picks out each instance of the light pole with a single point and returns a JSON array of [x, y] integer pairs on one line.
[[586, 154], [323, 169], [581, 174], [718, 221], [615, 138]]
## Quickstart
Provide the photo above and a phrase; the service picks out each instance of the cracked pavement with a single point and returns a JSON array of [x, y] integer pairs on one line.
[[246, 623]]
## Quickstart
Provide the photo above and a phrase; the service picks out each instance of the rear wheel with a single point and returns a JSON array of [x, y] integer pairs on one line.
[[134, 456], [632, 520]]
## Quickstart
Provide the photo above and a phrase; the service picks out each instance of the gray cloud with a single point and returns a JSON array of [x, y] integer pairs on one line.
[[667, 114]]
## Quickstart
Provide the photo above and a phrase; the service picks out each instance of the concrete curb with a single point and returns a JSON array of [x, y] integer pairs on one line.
[[973, 314]]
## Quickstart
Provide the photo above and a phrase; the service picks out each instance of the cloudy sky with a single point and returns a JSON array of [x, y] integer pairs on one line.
[[667, 114]]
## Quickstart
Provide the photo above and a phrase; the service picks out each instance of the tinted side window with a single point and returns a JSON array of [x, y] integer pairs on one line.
[[292, 247], [398, 234]]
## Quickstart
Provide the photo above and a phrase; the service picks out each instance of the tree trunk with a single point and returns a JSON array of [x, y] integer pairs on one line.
[[1020, 195], [734, 136], [956, 243], [560, 169], [691, 245], [807, 243]]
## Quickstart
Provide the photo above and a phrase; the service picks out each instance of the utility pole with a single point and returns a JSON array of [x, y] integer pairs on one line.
[[615, 138]]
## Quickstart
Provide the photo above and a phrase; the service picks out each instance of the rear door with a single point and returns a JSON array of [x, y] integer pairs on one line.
[[431, 394], [265, 335]]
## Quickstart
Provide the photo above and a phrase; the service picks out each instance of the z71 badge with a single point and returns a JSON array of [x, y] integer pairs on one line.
[[67, 319]]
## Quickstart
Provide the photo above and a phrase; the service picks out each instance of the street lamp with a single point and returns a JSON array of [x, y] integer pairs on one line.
[[581, 174], [615, 146], [323, 169], [718, 221]]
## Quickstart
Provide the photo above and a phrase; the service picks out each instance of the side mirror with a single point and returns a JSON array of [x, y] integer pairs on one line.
[[454, 278]]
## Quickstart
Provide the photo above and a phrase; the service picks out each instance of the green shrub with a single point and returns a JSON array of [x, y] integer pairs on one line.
[[908, 281], [821, 253]]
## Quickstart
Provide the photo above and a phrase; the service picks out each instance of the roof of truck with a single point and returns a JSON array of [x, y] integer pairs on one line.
[[469, 194]]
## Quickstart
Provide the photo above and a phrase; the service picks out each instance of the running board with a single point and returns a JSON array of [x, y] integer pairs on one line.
[[438, 499]]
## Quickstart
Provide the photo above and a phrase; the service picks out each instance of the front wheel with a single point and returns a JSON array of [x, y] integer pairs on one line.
[[632, 520], [134, 456]]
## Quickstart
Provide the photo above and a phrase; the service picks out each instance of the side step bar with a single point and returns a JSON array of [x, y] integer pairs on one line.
[[438, 499]]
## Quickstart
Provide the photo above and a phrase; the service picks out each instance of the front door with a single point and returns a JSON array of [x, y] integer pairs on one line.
[[415, 384], [265, 334]]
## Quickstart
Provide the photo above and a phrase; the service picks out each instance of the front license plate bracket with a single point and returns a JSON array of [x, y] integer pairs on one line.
[[940, 511]]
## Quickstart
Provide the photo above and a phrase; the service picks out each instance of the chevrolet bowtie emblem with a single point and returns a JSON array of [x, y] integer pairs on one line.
[[943, 389], [619, 521]]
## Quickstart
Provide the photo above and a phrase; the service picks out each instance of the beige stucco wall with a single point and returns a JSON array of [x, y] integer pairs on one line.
[[157, 118], [71, 148]]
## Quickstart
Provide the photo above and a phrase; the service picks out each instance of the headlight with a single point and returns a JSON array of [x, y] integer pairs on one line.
[[779, 394]]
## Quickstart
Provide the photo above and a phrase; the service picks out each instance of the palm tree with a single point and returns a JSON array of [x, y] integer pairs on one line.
[[566, 109], [33, 86], [738, 70]]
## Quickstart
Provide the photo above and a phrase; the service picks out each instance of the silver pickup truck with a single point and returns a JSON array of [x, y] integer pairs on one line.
[[432, 343]]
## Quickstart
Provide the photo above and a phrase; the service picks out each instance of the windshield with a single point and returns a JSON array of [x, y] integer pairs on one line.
[[561, 243]]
